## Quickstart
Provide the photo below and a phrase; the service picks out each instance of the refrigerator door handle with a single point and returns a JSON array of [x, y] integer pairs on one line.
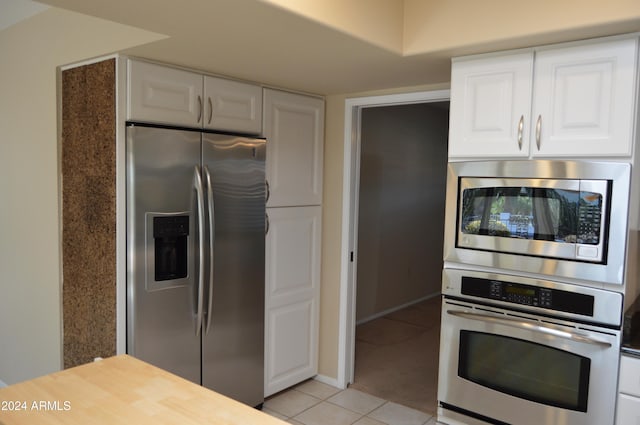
[[197, 185], [212, 234]]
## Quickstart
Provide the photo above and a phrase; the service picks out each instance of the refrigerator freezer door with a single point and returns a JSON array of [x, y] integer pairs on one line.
[[162, 242], [233, 344]]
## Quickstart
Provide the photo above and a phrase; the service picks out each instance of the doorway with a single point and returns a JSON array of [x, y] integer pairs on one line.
[[395, 172]]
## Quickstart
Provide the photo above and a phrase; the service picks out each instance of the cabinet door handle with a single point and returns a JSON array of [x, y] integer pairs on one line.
[[199, 108], [267, 190], [210, 109], [538, 130], [267, 223], [520, 129]]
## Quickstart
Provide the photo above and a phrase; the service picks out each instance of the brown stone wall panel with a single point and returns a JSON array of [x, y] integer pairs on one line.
[[88, 212]]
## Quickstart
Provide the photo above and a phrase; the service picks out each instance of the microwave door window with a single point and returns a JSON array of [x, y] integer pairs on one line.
[[533, 213], [497, 211]]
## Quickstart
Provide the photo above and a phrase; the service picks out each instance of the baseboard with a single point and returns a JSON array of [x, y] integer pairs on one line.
[[328, 380], [396, 308], [2, 384]]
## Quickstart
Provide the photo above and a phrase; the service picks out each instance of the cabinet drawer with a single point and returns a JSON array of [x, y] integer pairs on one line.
[[630, 376], [628, 410]]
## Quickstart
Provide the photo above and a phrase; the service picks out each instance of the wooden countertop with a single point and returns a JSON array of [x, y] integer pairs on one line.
[[121, 390]]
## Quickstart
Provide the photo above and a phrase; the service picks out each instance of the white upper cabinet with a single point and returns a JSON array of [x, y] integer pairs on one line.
[[165, 95], [490, 106], [584, 100], [294, 128], [232, 106], [560, 101]]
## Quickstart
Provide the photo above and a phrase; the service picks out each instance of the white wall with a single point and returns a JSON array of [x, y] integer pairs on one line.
[[30, 286]]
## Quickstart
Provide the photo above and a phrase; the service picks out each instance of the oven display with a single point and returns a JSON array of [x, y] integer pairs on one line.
[[529, 295], [520, 291], [520, 294]]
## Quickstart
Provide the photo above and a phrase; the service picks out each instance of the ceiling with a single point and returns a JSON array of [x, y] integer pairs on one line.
[[14, 11], [257, 40]]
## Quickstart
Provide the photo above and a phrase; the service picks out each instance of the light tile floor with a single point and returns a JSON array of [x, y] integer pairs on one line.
[[315, 403], [397, 356]]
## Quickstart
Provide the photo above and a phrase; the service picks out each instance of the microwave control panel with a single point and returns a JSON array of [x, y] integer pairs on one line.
[[589, 218], [529, 295]]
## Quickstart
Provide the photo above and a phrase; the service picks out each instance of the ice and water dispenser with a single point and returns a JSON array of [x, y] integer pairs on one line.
[[170, 234]]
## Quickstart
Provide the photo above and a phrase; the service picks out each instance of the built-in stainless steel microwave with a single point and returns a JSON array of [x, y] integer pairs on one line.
[[558, 218]]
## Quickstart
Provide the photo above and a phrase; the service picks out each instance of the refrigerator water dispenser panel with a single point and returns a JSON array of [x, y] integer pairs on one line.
[[167, 250], [170, 235]]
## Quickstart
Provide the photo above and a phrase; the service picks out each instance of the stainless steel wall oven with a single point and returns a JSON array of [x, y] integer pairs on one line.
[[526, 351], [564, 219]]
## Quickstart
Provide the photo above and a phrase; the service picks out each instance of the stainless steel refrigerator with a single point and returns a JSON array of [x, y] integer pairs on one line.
[[195, 256]]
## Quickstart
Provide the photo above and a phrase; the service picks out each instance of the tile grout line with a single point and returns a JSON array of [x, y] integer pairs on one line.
[[326, 400], [321, 400], [362, 415]]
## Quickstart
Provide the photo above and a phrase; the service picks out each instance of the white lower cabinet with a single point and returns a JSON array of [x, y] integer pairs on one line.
[[628, 410], [292, 296], [629, 392]]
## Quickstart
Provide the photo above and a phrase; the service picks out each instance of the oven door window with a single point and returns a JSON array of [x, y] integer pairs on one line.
[[534, 213], [525, 370]]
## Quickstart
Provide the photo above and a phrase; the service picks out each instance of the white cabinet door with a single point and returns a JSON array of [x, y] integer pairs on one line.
[[629, 375], [159, 94], [629, 392], [292, 296], [628, 410], [294, 128], [584, 99], [232, 106], [490, 106]]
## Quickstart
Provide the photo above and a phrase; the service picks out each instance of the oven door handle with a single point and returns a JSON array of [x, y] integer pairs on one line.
[[530, 326]]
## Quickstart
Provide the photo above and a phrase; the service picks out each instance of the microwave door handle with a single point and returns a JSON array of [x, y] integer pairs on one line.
[[210, 256], [521, 324], [197, 185]]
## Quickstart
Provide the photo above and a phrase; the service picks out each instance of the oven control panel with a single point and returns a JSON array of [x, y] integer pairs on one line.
[[529, 295], [521, 294]]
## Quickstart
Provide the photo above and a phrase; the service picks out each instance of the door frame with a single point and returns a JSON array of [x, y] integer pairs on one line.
[[350, 199]]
